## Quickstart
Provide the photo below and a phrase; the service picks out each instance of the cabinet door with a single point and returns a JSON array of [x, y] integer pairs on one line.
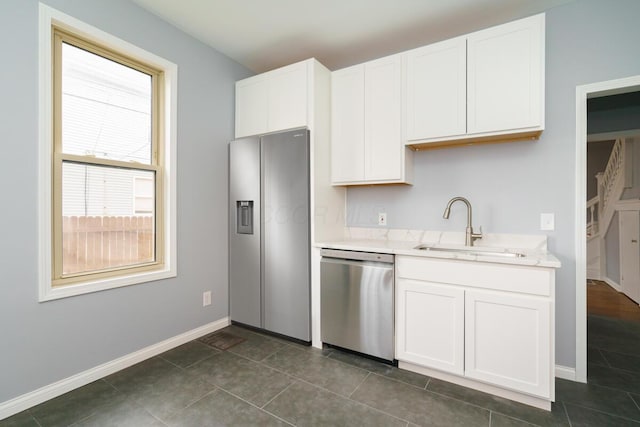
[[508, 341], [347, 125], [288, 97], [437, 90], [430, 325], [506, 77], [251, 106], [382, 116]]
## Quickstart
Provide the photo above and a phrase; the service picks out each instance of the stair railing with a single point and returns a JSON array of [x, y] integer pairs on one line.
[[593, 214], [611, 172]]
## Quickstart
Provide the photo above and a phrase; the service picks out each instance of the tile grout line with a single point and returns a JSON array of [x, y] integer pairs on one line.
[[452, 398], [257, 407], [601, 412], [634, 401], [410, 385], [369, 373], [566, 414], [358, 386], [605, 358], [276, 396], [340, 396]]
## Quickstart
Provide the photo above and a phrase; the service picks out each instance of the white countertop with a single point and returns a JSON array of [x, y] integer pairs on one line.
[[386, 241]]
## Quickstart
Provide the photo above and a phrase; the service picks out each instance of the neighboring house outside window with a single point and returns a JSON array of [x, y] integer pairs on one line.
[[112, 160]]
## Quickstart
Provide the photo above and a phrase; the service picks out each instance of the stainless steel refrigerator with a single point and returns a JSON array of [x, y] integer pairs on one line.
[[269, 236]]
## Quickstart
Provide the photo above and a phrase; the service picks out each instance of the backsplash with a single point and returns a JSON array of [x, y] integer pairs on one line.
[[494, 240]]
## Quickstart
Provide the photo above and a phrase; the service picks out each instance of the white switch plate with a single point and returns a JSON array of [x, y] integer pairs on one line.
[[206, 298], [382, 218], [547, 222]]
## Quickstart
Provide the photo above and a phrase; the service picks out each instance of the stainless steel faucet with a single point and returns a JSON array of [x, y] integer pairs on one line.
[[470, 236]]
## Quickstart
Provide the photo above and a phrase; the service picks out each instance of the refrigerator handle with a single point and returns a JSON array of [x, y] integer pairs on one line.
[[244, 217]]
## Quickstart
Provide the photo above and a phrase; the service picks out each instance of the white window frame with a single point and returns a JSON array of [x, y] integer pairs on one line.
[[48, 17]]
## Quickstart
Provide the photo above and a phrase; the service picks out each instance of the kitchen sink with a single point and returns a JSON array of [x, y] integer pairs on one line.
[[472, 251]]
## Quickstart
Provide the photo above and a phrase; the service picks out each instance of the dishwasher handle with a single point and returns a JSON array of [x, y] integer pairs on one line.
[[356, 255]]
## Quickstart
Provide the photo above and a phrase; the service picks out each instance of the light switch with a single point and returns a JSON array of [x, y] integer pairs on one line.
[[547, 222]]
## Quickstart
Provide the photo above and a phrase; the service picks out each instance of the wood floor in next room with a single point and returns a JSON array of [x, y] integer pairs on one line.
[[603, 300]]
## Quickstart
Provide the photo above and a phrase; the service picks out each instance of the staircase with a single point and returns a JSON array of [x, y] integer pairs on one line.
[[601, 208]]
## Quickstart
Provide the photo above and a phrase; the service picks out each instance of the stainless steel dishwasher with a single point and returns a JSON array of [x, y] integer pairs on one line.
[[357, 301]]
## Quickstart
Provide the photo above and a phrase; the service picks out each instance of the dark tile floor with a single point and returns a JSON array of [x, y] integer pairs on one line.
[[267, 381]]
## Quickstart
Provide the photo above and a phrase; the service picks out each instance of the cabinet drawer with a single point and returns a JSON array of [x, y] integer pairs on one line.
[[510, 278]]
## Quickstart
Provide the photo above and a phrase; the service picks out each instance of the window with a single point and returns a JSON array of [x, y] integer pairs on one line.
[[108, 140]]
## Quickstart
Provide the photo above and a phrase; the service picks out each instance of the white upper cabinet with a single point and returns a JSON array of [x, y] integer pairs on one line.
[[251, 106], [273, 101], [366, 139], [288, 97], [486, 86], [506, 77], [383, 119], [347, 127], [437, 90]]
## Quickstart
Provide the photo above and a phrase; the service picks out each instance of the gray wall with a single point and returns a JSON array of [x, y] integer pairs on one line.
[[45, 342], [612, 249], [511, 184]]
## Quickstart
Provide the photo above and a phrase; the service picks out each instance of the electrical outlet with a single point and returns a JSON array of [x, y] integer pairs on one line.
[[206, 298], [547, 222], [382, 218]]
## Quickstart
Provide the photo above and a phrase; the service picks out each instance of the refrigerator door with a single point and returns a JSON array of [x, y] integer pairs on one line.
[[244, 232], [286, 234]]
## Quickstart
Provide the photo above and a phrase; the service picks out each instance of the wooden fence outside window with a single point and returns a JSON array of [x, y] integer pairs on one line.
[[93, 243]]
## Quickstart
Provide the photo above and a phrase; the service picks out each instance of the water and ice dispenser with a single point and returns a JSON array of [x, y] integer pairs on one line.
[[244, 217]]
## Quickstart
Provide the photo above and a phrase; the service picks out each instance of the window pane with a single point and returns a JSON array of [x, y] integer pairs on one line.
[[106, 108], [100, 227]]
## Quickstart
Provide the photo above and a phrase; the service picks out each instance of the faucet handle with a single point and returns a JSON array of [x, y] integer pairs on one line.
[[477, 235]]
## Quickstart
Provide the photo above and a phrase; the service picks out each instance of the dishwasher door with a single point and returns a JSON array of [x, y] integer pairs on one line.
[[357, 302]]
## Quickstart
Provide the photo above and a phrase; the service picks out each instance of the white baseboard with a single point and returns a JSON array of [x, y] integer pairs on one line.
[[28, 400], [565, 372], [613, 284]]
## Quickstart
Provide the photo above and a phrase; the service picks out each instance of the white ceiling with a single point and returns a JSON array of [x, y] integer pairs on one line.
[[266, 34]]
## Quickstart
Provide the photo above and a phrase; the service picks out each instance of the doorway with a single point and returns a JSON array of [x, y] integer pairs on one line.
[[583, 94]]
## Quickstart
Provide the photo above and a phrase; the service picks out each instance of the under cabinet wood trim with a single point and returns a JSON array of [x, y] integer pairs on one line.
[[529, 135]]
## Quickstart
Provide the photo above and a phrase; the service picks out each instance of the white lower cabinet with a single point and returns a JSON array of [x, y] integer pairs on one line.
[[430, 325], [507, 340], [488, 325]]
